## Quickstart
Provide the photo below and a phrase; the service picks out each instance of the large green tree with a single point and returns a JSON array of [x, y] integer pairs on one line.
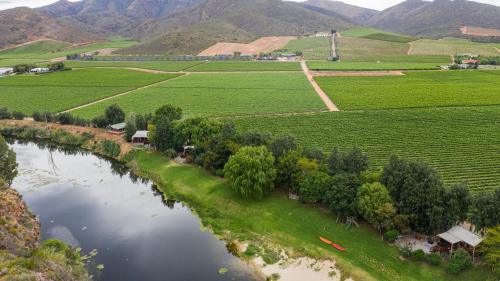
[[114, 114], [168, 111], [485, 209], [195, 131], [162, 137], [376, 206], [8, 164], [341, 196], [250, 172], [313, 187], [418, 193], [280, 145]]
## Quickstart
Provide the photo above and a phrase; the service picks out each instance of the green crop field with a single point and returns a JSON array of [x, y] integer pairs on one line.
[[462, 143], [153, 65], [34, 49], [361, 49], [360, 66], [377, 34], [13, 62], [227, 66], [63, 90], [221, 94], [452, 47], [312, 48], [41, 50], [441, 59], [415, 89]]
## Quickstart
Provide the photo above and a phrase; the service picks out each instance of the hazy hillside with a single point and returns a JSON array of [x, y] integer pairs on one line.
[[436, 19], [354, 13], [117, 16], [197, 28], [22, 25]]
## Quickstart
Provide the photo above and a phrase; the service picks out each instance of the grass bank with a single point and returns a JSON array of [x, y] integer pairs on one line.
[[286, 223]]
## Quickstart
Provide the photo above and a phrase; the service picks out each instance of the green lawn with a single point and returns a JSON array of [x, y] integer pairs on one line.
[[377, 34], [288, 224], [415, 89], [463, 143], [222, 94], [153, 65], [34, 49], [63, 90], [312, 48], [226, 66], [452, 47], [360, 66]]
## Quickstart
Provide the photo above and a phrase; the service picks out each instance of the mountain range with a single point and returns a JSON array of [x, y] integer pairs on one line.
[[189, 26]]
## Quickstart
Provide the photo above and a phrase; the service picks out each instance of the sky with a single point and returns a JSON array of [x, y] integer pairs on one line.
[[374, 4]]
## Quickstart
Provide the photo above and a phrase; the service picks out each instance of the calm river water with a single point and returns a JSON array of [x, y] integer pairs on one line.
[[93, 203]]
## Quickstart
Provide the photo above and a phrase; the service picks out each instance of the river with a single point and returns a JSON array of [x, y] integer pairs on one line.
[[94, 203]]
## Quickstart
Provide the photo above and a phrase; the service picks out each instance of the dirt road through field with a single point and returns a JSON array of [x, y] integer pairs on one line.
[[328, 102], [498, 50], [119, 95]]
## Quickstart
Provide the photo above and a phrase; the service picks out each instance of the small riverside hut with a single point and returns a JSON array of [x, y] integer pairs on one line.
[[140, 137], [117, 129], [459, 237]]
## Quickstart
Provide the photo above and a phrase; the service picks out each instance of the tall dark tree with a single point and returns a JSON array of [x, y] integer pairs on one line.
[[114, 115], [336, 162], [485, 209], [356, 161], [168, 111], [255, 138], [458, 201], [282, 144], [418, 192], [313, 187], [8, 164], [342, 195], [287, 170], [195, 131], [162, 137]]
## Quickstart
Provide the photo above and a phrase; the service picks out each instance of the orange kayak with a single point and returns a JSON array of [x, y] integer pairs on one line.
[[326, 240], [336, 246]]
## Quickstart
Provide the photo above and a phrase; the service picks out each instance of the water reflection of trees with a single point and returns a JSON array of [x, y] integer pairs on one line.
[[168, 202]]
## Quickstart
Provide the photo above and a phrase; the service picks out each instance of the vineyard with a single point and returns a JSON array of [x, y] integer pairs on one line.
[[361, 49], [312, 48], [228, 66], [362, 66], [34, 49], [415, 89], [452, 47], [152, 65], [222, 94], [377, 34], [463, 144], [63, 90]]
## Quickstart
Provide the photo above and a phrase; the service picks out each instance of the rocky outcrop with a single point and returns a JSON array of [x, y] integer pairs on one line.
[[19, 228]]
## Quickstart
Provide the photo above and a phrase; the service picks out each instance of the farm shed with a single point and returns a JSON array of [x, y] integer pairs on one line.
[[140, 137], [117, 129], [39, 70], [458, 236], [6, 71]]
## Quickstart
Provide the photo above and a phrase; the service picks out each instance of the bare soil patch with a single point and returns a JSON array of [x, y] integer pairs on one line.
[[264, 44], [479, 31]]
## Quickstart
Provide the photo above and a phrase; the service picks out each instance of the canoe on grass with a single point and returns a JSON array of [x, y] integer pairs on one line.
[[336, 246], [326, 240]]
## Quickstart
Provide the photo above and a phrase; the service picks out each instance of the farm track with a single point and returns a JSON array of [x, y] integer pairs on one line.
[[328, 102], [410, 49], [498, 50], [121, 94]]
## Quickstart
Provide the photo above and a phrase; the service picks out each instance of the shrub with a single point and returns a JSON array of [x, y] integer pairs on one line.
[[433, 259], [391, 235], [459, 261], [170, 153], [18, 115], [37, 116], [313, 187], [65, 119], [418, 255], [100, 122], [110, 149], [5, 113]]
